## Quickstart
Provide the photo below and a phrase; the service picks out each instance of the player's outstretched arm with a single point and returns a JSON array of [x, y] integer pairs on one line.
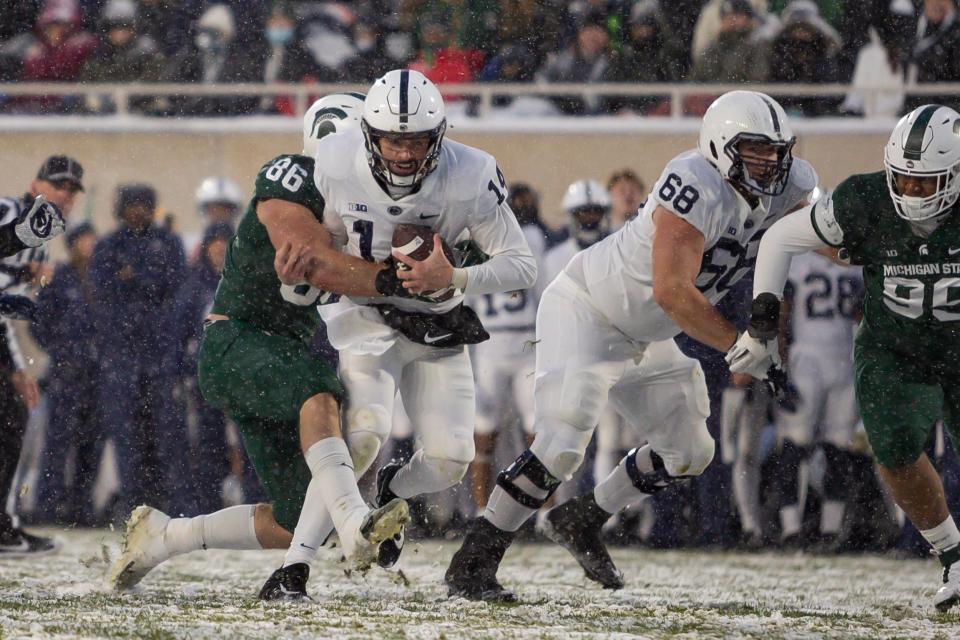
[[792, 235], [305, 252], [677, 254]]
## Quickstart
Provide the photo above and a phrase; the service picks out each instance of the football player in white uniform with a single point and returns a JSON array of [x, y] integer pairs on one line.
[[605, 329], [400, 169], [824, 304]]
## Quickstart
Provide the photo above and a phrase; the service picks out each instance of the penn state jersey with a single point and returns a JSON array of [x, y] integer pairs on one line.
[[466, 192], [827, 300], [513, 310], [617, 271]]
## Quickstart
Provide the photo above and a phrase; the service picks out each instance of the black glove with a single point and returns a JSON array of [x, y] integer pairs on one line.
[[387, 282], [39, 222], [764, 317], [782, 390]]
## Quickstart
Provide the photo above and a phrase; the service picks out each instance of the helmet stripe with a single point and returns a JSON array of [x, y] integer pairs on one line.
[[404, 88], [914, 144], [356, 94], [773, 114]]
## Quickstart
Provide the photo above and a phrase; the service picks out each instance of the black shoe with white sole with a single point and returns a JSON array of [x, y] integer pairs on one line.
[[472, 573], [389, 551], [17, 542], [287, 583]]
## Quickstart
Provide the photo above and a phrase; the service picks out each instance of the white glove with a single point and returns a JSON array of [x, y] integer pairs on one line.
[[40, 223], [752, 356]]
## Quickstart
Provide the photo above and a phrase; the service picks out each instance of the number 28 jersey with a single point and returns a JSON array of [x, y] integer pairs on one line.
[[618, 273]]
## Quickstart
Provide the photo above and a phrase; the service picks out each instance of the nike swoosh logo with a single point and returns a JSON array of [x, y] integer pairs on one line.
[[287, 592], [306, 546], [953, 252], [23, 546], [423, 217], [429, 339]]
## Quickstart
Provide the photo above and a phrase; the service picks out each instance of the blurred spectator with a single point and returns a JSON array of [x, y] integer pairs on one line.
[[627, 193], [473, 23], [280, 57], [210, 462], [124, 55], [681, 20], [589, 59], [56, 54], [831, 10], [214, 56], [170, 24], [738, 53], [64, 328], [615, 12], [894, 21], [325, 35], [805, 51], [936, 52], [440, 57], [710, 24], [218, 200], [650, 54], [374, 56], [525, 203], [539, 27], [136, 271]]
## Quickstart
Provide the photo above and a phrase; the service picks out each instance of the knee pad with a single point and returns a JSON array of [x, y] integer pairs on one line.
[[527, 481], [364, 447], [560, 447], [448, 472], [692, 456]]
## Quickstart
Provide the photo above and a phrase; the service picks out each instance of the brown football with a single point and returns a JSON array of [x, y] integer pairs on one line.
[[416, 241]]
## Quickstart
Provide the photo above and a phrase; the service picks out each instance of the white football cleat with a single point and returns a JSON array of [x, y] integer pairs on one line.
[[378, 525], [143, 547]]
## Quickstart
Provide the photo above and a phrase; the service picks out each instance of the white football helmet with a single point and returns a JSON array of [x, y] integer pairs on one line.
[[740, 116], [925, 144], [216, 189], [585, 196], [403, 104], [330, 114]]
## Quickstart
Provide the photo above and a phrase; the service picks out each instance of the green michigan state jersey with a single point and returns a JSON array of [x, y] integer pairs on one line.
[[249, 289], [912, 303]]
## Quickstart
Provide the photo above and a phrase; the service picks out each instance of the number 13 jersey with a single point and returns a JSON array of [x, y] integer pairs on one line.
[[618, 274]]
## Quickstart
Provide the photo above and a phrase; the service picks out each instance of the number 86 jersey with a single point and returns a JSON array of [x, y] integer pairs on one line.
[[618, 274]]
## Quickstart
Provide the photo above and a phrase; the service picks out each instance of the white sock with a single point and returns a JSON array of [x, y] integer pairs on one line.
[[831, 516], [230, 528], [944, 536], [617, 490], [504, 512], [426, 474], [746, 493], [329, 461], [313, 527], [790, 521]]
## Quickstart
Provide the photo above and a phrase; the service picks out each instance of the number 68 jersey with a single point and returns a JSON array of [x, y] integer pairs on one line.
[[618, 274]]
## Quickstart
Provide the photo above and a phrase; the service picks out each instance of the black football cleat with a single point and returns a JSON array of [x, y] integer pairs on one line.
[[17, 542], [287, 583], [577, 526], [390, 549], [472, 573]]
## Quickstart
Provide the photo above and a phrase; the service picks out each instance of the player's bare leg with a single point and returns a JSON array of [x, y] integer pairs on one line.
[[917, 489], [482, 469]]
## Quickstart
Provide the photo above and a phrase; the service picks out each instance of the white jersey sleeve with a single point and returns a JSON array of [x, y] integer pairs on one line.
[[693, 189], [494, 227]]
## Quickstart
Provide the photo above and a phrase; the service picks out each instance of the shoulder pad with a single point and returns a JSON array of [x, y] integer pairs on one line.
[[803, 177], [467, 171], [335, 153]]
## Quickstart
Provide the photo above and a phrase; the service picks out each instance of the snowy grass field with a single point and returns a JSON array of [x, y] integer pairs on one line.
[[669, 595]]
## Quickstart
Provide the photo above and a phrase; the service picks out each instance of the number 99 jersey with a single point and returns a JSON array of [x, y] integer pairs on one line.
[[618, 272]]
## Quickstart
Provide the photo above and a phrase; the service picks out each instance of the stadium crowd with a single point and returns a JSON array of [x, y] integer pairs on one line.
[[121, 319], [488, 41]]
